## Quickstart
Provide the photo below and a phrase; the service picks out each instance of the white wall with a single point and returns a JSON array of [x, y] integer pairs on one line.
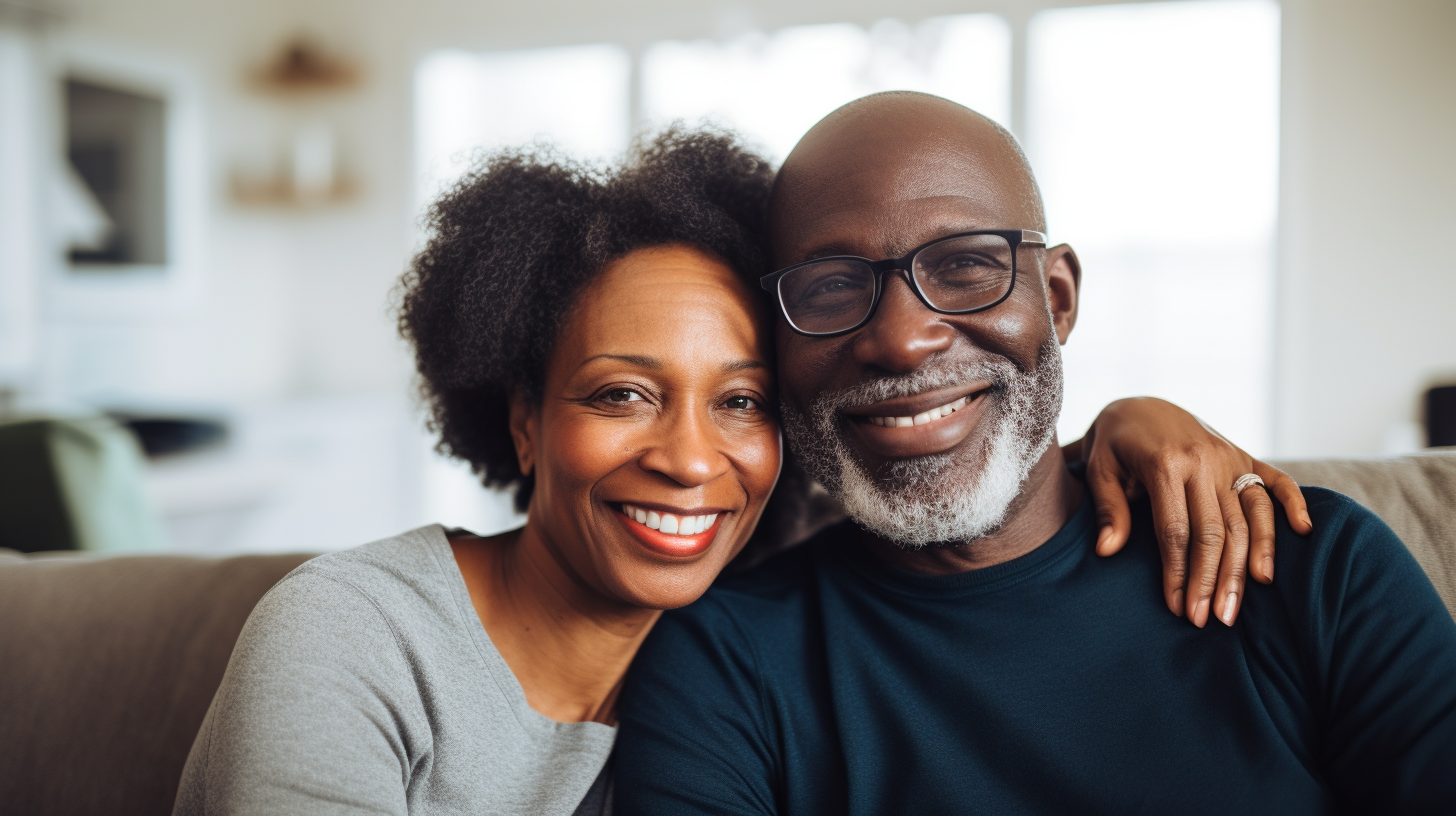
[[1367, 300], [20, 183], [293, 303], [289, 302]]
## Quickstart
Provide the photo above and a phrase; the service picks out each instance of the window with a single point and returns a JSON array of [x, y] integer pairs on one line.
[[576, 98], [773, 88], [1154, 130]]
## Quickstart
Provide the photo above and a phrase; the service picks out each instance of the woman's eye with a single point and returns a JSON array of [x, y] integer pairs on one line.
[[741, 403], [622, 395]]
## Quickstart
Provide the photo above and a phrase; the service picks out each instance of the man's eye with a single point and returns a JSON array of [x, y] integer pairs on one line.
[[741, 403], [622, 395]]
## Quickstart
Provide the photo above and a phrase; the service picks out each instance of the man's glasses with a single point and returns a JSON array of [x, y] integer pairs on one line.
[[961, 273]]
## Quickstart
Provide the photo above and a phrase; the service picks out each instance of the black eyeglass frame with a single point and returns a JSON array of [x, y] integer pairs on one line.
[[906, 262]]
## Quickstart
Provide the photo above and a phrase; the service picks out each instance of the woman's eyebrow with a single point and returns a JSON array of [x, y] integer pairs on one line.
[[743, 365], [630, 359], [642, 361]]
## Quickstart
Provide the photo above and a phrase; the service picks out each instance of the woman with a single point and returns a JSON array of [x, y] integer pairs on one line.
[[596, 342]]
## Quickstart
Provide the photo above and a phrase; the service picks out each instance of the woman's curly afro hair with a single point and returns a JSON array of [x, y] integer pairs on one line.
[[513, 243]]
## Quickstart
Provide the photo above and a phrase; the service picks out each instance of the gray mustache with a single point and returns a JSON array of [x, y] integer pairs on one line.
[[998, 372]]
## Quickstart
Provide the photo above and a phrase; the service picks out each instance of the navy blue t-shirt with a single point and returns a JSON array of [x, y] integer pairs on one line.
[[829, 682]]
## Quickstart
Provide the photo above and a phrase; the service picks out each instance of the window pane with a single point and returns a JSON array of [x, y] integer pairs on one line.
[[1154, 132], [774, 87], [577, 98]]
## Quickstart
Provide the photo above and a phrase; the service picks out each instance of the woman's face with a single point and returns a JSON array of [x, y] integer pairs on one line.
[[653, 449]]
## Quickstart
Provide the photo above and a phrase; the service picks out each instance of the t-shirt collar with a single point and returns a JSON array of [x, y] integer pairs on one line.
[[1074, 535]]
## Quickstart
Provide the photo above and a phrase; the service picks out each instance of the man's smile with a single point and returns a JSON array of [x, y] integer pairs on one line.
[[919, 425]]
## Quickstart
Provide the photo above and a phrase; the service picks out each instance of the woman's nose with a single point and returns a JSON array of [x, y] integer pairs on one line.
[[687, 448]]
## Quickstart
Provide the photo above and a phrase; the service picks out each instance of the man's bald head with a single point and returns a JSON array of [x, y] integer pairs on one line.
[[899, 145]]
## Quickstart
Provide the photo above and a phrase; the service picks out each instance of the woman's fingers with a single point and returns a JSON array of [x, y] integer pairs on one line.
[[1259, 511], [1109, 498], [1205, 549], [1170, 521], [1234, 565], [1283, 488]]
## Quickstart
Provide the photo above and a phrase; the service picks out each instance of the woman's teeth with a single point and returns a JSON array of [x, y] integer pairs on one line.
[[669, 523], [920, 419]]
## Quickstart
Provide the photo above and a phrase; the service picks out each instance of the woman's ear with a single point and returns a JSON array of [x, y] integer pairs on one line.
[[1064, 283], [525, 430]]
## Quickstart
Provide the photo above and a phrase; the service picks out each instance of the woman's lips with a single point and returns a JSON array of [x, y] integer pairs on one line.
[[670, 543]]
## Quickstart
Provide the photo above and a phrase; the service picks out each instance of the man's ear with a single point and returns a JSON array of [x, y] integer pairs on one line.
[[1064, 284], [525, 431]]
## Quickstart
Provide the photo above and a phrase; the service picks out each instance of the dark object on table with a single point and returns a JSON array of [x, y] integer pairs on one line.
[[33, 512], [73, 483], [1441, 416], [164, 436]]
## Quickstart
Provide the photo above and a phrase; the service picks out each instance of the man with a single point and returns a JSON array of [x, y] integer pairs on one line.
[[961, 648]]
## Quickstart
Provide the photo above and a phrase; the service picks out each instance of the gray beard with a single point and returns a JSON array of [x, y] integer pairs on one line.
[[945, 499]]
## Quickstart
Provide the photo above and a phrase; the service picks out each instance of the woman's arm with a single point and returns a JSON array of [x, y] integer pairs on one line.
[[306, 719], [1210, 536]]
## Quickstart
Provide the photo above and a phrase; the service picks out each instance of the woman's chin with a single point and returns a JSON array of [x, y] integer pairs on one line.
[[654, 587], [661, 571]]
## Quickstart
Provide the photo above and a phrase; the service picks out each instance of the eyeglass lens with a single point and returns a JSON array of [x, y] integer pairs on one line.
[[958, 274]]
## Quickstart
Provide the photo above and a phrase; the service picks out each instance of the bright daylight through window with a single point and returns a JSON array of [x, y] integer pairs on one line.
[[1153, 129], [773, 88]]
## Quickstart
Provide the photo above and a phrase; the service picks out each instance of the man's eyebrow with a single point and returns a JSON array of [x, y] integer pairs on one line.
[[829, 251], [833, 249]]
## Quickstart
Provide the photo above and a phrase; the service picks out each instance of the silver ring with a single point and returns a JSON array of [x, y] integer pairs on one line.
[[1246, 480]]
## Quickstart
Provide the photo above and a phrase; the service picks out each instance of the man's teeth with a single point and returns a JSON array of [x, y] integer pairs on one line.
[[919, 419], [668, 522]]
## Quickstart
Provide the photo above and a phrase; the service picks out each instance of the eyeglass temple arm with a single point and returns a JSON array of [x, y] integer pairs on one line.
[[1033, 237]]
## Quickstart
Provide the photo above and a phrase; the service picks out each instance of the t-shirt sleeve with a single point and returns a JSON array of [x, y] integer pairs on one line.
[[1388, 646], [313, 714], [692, 738]]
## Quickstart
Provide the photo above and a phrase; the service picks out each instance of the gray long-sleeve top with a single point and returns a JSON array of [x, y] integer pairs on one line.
[[364, 683]]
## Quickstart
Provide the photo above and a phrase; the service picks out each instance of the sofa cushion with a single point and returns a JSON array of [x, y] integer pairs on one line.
[[107, 667], [1415, 495]]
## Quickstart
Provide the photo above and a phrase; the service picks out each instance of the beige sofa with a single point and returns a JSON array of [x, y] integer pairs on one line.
[[107, 664]]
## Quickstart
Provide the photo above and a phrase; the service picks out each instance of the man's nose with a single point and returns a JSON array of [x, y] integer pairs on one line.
[[688, 448], [903, 332]]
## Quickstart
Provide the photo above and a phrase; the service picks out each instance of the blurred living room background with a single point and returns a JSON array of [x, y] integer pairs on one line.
[[205, 205]]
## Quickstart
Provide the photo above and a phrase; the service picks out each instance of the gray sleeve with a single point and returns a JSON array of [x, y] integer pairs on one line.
[[316, 714]]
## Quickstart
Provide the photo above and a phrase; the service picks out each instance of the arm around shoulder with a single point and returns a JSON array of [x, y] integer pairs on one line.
[[315, 713]]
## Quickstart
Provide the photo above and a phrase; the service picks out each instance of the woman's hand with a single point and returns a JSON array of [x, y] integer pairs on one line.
[[1210, 536]]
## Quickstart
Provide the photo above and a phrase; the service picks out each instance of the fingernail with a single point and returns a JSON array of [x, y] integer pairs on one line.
[[1268, 566], [1200, 613], [1178, 603], [1102, 536], [1228, 609]]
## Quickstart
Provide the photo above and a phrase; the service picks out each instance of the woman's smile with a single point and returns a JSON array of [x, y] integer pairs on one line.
[[679, 534]]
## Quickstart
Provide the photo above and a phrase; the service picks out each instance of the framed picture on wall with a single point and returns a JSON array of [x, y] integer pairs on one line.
[[128, 183]]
